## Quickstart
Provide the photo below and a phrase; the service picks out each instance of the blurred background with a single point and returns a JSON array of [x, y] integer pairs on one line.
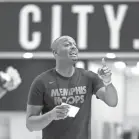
[[103, 28]]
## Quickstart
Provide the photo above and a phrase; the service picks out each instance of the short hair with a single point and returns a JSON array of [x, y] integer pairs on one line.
[[55, 42]]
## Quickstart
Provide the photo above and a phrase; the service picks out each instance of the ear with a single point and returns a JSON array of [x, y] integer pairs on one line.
[[54, 53]]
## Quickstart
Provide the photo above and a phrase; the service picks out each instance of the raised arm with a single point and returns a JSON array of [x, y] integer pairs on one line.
[[108, 93]]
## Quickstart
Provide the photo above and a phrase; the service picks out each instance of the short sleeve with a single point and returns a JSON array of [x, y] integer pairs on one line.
[[97, 83], [36, 92]]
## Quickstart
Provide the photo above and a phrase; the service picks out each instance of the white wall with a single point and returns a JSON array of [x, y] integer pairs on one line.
[[132, 102], [17, 126], [132, 95]]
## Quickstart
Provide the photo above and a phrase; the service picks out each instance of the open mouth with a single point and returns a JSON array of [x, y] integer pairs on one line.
[[73, 54]]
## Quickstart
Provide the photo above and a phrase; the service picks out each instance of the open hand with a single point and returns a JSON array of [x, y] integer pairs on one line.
[[14, 79]]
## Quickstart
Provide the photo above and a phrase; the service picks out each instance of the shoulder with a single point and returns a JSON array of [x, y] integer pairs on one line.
[[44, 76]]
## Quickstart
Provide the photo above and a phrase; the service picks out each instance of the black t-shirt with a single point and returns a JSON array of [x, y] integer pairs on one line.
[[51, 89]]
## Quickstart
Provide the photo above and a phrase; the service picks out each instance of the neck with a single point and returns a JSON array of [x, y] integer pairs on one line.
[[65, 70]]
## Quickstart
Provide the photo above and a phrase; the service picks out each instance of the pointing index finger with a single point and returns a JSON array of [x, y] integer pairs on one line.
[[103, 62]]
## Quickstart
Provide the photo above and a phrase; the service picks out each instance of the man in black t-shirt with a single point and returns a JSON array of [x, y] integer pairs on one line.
[[71, 85]]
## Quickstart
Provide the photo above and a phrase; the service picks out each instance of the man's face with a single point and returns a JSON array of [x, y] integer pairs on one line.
[[67, 49]]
